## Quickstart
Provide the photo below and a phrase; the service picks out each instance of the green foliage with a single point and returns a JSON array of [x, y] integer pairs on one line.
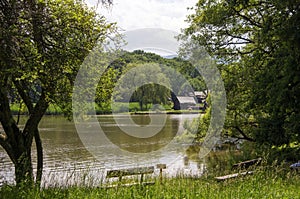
[[43, 45], [181, 66], [198, 127], [105, 89], [256, 45], [143, 83]]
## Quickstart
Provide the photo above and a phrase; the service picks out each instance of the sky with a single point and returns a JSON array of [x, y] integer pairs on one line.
[[135, 14]]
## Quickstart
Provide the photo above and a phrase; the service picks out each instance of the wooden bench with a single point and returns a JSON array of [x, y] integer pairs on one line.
[[240, 165], [120, 173], [246, 164], [234, 175]]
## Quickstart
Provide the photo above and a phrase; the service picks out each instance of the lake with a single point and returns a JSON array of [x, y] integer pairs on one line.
[[70, 158]]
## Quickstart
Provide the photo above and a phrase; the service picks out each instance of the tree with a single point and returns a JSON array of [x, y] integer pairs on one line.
[[257, 46], [42, 46], [105, 89], [144, 83]]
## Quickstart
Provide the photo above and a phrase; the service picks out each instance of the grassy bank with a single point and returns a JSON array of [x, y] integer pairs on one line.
[[266, 182], [52, 110], [120, 107]]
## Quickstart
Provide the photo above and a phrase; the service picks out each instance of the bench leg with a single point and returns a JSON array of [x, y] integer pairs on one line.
[[160, 175], [142, 178]]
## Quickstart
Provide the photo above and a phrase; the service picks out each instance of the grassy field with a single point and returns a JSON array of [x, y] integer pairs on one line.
[[266, 182]]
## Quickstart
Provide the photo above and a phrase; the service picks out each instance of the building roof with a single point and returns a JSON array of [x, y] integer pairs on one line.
[[201, 93], [186, 100]]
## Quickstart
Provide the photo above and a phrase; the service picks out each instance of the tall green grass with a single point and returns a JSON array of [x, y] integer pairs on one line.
[[266, 182]]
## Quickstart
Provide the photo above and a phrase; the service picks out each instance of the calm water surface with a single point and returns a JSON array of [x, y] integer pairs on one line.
[[67, 161]]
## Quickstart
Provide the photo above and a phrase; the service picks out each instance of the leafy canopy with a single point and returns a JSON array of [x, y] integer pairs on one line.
[[257, 46]]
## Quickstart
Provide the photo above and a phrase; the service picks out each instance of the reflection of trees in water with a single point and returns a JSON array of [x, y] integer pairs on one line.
[[61, 140], [140, 145], [192, 154], [218, 160]]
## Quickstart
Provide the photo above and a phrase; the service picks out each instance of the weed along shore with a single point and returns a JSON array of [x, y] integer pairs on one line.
[[265, 182]]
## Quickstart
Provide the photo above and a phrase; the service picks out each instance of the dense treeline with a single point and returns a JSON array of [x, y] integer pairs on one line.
[[146, 65], [257, 47]]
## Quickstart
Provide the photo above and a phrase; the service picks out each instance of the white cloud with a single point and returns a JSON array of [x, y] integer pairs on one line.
[[134, 14]]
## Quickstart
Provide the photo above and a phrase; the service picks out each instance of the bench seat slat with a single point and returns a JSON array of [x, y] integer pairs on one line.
[[234, 175], [131, 171]]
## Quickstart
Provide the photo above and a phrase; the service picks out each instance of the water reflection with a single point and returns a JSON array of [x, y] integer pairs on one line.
[[67, 161], [135, 144]]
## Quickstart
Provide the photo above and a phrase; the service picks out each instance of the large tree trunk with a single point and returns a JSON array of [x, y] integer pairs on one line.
[[19, 151], [23, 169], [20, 155], [17, 143]]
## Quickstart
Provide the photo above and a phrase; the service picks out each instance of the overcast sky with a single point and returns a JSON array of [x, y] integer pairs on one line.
[[133, 14]]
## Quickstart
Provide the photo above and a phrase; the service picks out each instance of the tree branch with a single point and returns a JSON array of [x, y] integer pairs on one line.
[[7, 147], [247, 18], [21, 87], [238, 37], [7, 120], [245, 137], [39, 150], [35, 117]]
